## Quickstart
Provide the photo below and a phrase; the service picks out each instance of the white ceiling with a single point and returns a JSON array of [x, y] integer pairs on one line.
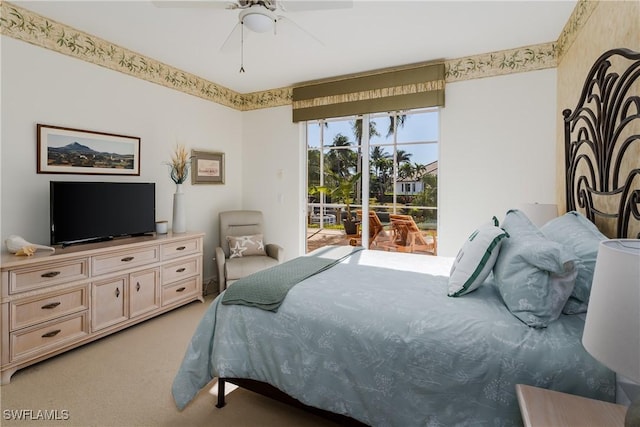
[[367, 36]]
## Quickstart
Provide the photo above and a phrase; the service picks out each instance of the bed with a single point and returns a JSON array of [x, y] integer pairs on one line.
[[381, 338]]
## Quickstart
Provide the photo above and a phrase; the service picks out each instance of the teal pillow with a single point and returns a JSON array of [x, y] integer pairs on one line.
[[476, 259], [534, 275], [574, 230]]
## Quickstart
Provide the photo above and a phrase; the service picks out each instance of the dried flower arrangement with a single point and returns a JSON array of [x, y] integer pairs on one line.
[[179, 165]]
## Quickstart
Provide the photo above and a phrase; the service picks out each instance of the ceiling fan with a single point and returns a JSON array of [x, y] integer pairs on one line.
[[261, 16]]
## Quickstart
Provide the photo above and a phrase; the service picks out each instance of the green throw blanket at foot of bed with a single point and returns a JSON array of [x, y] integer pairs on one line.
[[268, 288]]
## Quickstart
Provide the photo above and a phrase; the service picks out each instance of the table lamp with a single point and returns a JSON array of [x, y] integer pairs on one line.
[[612, 327]]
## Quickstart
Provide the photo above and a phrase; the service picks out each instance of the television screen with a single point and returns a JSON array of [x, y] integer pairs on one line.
[[88, 211]]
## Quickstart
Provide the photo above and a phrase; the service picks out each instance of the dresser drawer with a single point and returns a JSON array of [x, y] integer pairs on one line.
[[179, 291], [117, 261], [181, 248], [25, 279], [36, 310], [49, 337], [180, 270]]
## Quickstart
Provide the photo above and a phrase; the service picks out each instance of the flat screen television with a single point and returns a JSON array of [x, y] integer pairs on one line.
[[83, 212]]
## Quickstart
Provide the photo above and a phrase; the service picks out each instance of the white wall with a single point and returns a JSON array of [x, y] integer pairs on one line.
[[273, 175], [41, 86], [497, 151]]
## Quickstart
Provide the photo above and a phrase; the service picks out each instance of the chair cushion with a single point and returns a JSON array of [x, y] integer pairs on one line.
[[243, 246], [237, 268]]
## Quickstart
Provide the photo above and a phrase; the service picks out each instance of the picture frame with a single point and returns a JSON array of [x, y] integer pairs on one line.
[[77, 151], [207, 167]]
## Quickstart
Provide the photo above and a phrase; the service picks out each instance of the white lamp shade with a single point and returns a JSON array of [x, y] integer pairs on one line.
[[612, 328], [540, 213], [257, 19]]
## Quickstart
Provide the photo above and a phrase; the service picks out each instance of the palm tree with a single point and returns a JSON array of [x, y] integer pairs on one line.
[[381, 163], [340, 159], [402, 156], [392, 121]]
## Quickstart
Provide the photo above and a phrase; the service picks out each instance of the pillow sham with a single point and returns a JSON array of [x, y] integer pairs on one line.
[[577, 232], [475, 259], [534, 275], [241, 246]]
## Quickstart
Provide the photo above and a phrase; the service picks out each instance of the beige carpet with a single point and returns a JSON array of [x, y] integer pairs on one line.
[[125, 380]]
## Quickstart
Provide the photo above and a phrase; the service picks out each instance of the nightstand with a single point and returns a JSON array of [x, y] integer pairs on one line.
[[546, 408]]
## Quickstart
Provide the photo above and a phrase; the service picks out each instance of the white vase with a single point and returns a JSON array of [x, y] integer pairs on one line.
[[179, 211]]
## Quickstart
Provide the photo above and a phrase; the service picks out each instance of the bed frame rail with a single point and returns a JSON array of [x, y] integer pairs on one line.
[[274, 393]]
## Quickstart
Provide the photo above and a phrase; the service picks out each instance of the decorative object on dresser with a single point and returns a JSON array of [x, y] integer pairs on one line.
[[207, 167], [179, 171], [179, 211], [162, 227], [19, 246], [66, 150], [611, 331], [53, 302]]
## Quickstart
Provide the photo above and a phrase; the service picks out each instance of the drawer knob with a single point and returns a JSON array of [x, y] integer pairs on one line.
[[181, 248], [181, 289], [127, 259], [50, 274], [180, 270], [117, 292], [51, 334], [137, 286], [50, 305]]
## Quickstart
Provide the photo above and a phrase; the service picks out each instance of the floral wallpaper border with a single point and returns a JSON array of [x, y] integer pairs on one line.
[[577, 20], [22, 24]]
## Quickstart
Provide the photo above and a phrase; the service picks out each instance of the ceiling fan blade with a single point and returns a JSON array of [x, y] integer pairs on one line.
[[305, 5], [213, 4], [289, 21], [233, 40]]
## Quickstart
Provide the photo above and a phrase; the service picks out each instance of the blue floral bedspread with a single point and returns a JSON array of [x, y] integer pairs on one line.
[[377, 338]]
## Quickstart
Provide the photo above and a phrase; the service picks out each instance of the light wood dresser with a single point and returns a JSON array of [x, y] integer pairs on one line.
[[53, 302]]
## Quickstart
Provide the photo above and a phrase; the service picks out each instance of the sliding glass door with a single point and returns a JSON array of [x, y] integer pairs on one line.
[[399, 152]]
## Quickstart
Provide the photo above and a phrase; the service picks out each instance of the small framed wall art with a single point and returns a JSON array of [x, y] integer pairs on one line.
[[207, 167], [66, 150]]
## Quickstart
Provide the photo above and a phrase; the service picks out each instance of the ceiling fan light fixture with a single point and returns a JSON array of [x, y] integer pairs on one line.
[[259, 20]]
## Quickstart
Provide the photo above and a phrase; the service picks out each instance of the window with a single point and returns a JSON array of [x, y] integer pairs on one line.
[[402, 156]]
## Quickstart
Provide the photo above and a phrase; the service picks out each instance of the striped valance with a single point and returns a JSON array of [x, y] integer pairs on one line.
[[415, 86]]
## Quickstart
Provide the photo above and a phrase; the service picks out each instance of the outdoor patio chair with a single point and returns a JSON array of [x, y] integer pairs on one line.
[[407, 237], [376, 229]]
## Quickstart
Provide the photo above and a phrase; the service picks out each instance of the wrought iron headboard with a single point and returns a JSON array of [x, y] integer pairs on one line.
[[602, 146]]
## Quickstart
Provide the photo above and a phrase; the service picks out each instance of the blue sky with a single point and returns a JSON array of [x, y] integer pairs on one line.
[[422, 127]]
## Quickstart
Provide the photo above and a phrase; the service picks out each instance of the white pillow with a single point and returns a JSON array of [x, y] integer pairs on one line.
[[476, 259]]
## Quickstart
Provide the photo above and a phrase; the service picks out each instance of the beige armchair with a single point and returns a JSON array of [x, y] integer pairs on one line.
[[242, 250]]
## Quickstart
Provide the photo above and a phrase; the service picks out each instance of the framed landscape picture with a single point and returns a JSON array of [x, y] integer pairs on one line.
[[66, 150], [207, 168]]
